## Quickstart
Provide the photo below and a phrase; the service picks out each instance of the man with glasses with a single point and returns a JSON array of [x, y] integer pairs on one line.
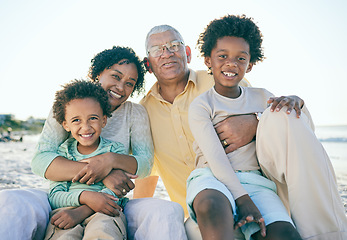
[[167, 105]]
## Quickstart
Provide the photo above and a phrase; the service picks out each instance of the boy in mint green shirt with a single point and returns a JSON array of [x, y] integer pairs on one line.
[[82, 108]]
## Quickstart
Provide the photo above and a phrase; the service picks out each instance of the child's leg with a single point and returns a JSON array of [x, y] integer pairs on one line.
[[291, 155], [214, 215], [210, 204], [102, 226], [279, 231]]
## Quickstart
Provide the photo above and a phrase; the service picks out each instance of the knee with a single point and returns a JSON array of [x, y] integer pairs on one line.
[[207, 206], [166, 209], [9, 196]]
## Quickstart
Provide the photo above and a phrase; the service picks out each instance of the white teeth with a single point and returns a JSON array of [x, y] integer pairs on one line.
[[86, 135], [229, 74], [115, 94]]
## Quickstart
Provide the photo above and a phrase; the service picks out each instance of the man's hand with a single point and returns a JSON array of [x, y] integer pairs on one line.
[[98, 168], [119, 182], [292, 102], [237, 131], [100, 202]]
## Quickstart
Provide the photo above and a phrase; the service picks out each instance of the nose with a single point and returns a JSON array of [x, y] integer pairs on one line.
[[85, 126], [120, 86], [166, 52], [231, 62]]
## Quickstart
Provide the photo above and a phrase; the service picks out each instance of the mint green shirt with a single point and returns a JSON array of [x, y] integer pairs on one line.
[[66, 194]]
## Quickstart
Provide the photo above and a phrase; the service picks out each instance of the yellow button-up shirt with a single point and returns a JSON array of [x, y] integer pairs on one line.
[[174, 157]]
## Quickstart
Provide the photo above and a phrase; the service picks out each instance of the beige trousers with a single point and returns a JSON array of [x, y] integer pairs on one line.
[[290, 155], [97, 226]]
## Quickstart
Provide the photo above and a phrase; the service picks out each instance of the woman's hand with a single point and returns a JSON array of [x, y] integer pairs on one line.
[[292, 102], [100, 202], [236, 131], [98, 168], [248, 212], [119, 182]]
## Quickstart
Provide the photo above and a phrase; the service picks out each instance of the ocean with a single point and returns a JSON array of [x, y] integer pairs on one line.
[[334, 140]]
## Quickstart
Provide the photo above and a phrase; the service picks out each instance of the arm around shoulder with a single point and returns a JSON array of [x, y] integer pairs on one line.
[[52, 135]]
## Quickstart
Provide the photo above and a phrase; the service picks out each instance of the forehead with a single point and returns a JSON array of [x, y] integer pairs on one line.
[[235, 43], [125, 69], [83, 106], [162, 38]]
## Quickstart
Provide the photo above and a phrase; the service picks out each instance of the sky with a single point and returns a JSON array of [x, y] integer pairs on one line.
[[44, 44]]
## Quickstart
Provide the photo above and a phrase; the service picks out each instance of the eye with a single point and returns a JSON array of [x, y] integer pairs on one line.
[[242, 59], [75, 121], [129, 84], [116, 77], [222, 56], [154, 50], [93, 118], [174, 47]]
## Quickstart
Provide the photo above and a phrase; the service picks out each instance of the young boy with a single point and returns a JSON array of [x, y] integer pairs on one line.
[[82, 108], [231, 184]]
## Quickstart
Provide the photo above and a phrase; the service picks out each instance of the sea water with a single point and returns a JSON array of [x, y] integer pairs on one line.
[[334, 140]]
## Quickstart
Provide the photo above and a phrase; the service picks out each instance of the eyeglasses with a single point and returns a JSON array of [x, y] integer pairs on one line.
[[157, 51]]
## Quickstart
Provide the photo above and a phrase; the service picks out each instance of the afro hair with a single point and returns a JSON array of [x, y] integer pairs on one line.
[[79, 89]]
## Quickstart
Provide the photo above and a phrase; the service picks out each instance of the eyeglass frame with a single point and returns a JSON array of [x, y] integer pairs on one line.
[[167, 45]]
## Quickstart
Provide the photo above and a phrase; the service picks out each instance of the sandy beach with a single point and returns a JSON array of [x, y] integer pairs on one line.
[[15, 157]]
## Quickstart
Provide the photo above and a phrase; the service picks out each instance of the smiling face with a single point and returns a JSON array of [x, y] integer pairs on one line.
[[229, 61], [119, 81], [170, 65], [84, 119]]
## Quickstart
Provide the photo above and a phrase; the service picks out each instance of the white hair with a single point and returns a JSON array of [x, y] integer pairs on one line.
[[161, 29]]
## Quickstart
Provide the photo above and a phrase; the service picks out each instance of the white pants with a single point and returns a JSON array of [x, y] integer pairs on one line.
[[24, 215], [290, 155]]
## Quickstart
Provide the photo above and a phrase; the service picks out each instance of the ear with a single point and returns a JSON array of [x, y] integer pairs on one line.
[[189, 54], [65, 126], [104, 120], [207, 61], [249, 68], [147, 65]]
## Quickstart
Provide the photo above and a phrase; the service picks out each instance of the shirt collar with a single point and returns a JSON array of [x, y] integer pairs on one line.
[[154, 91]]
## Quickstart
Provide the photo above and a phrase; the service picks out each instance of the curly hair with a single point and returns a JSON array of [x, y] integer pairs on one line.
[[79, 89], [109, 57], [232, 26]]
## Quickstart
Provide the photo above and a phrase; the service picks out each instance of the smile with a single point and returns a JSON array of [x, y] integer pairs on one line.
[[169, 64], [115, 95], [229, 74], [86, 135]]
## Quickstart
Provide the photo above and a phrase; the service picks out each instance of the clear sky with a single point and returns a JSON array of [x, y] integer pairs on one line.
[[44, 44]]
